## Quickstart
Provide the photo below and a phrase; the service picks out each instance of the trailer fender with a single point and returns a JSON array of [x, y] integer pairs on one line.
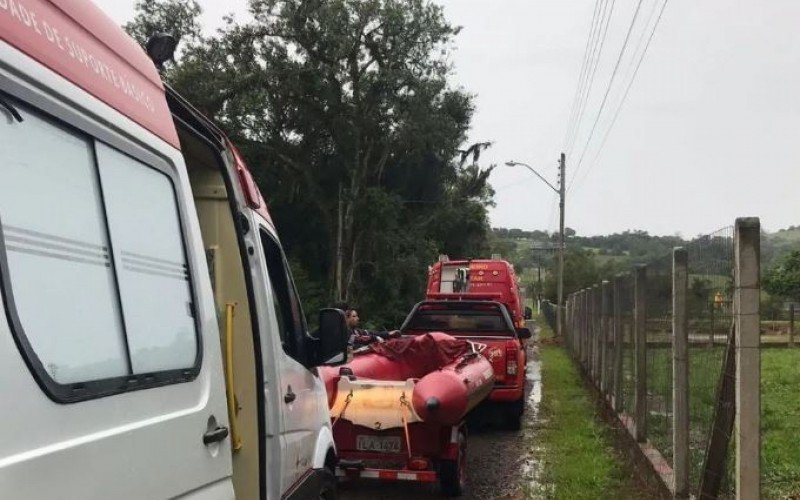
[[451, 450]]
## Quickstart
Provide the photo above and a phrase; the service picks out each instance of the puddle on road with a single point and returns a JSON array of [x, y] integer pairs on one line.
[[531, 467], [533, 374]]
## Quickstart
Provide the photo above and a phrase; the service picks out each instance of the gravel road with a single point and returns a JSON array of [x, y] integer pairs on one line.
[[497, 461]]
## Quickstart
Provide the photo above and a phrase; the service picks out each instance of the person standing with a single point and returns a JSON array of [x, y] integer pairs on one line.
[[360, 337]]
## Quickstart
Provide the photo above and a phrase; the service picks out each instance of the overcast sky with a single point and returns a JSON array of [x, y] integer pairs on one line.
[[709, 131]]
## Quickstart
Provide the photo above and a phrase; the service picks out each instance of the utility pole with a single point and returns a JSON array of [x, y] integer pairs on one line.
[[561, 192], [561, 195]]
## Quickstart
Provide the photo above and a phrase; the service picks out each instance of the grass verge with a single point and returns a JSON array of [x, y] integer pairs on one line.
[[780, 422], [574, 447]]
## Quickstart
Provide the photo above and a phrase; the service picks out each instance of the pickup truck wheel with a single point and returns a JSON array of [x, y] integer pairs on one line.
[[328, 490], [513, 415], [453, 473]]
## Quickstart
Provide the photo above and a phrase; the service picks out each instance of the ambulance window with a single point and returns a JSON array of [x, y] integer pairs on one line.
[[93, 269], [151, 263], [57, 251], [287, 307]]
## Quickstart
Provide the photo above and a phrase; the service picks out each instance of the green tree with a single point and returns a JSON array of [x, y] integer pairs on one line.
[[580, 271], [178, 18], [783, 280], [344, 112]]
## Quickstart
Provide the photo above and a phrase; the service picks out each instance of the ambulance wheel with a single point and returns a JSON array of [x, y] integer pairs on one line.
[[453, 473], [513, 415], [328, 490]]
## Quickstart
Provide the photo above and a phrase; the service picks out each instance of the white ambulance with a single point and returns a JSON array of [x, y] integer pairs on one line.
[[152, 344]]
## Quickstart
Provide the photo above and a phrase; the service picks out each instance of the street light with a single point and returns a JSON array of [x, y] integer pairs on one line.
[[561, 195], [513, 163]]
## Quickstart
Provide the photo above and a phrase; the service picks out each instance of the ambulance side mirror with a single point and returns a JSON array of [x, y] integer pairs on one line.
[[524, 333], [331, 338]]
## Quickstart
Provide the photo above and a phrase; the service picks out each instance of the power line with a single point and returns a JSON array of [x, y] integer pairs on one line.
[[627, 90], [595, 36], [608, 89], [589, 63], [578, 88], [644, 32], [591, 79]]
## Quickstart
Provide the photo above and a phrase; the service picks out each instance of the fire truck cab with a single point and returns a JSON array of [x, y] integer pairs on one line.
[[490, 279]]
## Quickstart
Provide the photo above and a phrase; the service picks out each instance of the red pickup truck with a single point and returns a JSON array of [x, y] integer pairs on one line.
[[485, 322]]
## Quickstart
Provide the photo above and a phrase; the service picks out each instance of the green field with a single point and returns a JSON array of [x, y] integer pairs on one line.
[[780, 410], [780, 422]]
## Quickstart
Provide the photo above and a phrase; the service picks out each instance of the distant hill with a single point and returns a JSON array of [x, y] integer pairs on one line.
[[636, 245], [528, 249], [790, 235], [776, 245]]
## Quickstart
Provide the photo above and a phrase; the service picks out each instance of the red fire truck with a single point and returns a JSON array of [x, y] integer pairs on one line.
[[479, 300], [488, 279]]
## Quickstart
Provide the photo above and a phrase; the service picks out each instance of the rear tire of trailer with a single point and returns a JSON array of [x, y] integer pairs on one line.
[[328, 490], [453, 473], [513, 415]]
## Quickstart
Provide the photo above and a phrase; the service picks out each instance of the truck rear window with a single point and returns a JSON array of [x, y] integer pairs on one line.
[[456, 321]]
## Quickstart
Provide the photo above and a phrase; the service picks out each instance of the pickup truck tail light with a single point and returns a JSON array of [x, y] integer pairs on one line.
[[511, 362]]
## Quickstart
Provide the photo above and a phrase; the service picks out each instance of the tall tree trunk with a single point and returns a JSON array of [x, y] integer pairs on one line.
[[338, 292], [351, 270]]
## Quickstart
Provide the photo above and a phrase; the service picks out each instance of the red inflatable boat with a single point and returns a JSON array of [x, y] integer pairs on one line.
[[441, 377], [404, 400]]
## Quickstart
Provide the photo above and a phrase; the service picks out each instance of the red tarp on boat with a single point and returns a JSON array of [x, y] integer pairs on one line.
[[429, 351]]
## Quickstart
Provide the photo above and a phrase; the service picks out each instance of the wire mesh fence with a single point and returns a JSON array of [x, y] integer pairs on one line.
[[710, 317], [549, 313], [644, 324], [624, 296], [659, 354]]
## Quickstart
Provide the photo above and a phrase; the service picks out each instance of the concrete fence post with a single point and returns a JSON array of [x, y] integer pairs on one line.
[[573, 331], [570, 329], [589, 337], [596, 331], [746, 295], [640, 358], [579, 325], [578, 329], [680, 373], [605, 294], [576, 339], [617, 322], [585, 329], [564, 325], [572, 325]]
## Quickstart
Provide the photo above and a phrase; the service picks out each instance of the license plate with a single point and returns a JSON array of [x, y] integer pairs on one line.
[[379, 444]]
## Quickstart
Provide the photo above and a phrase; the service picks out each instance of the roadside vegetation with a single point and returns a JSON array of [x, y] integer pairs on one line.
[[349, 118], [573, 446]]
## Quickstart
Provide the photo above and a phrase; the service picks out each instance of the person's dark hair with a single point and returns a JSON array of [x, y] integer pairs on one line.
[[344, 306]]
